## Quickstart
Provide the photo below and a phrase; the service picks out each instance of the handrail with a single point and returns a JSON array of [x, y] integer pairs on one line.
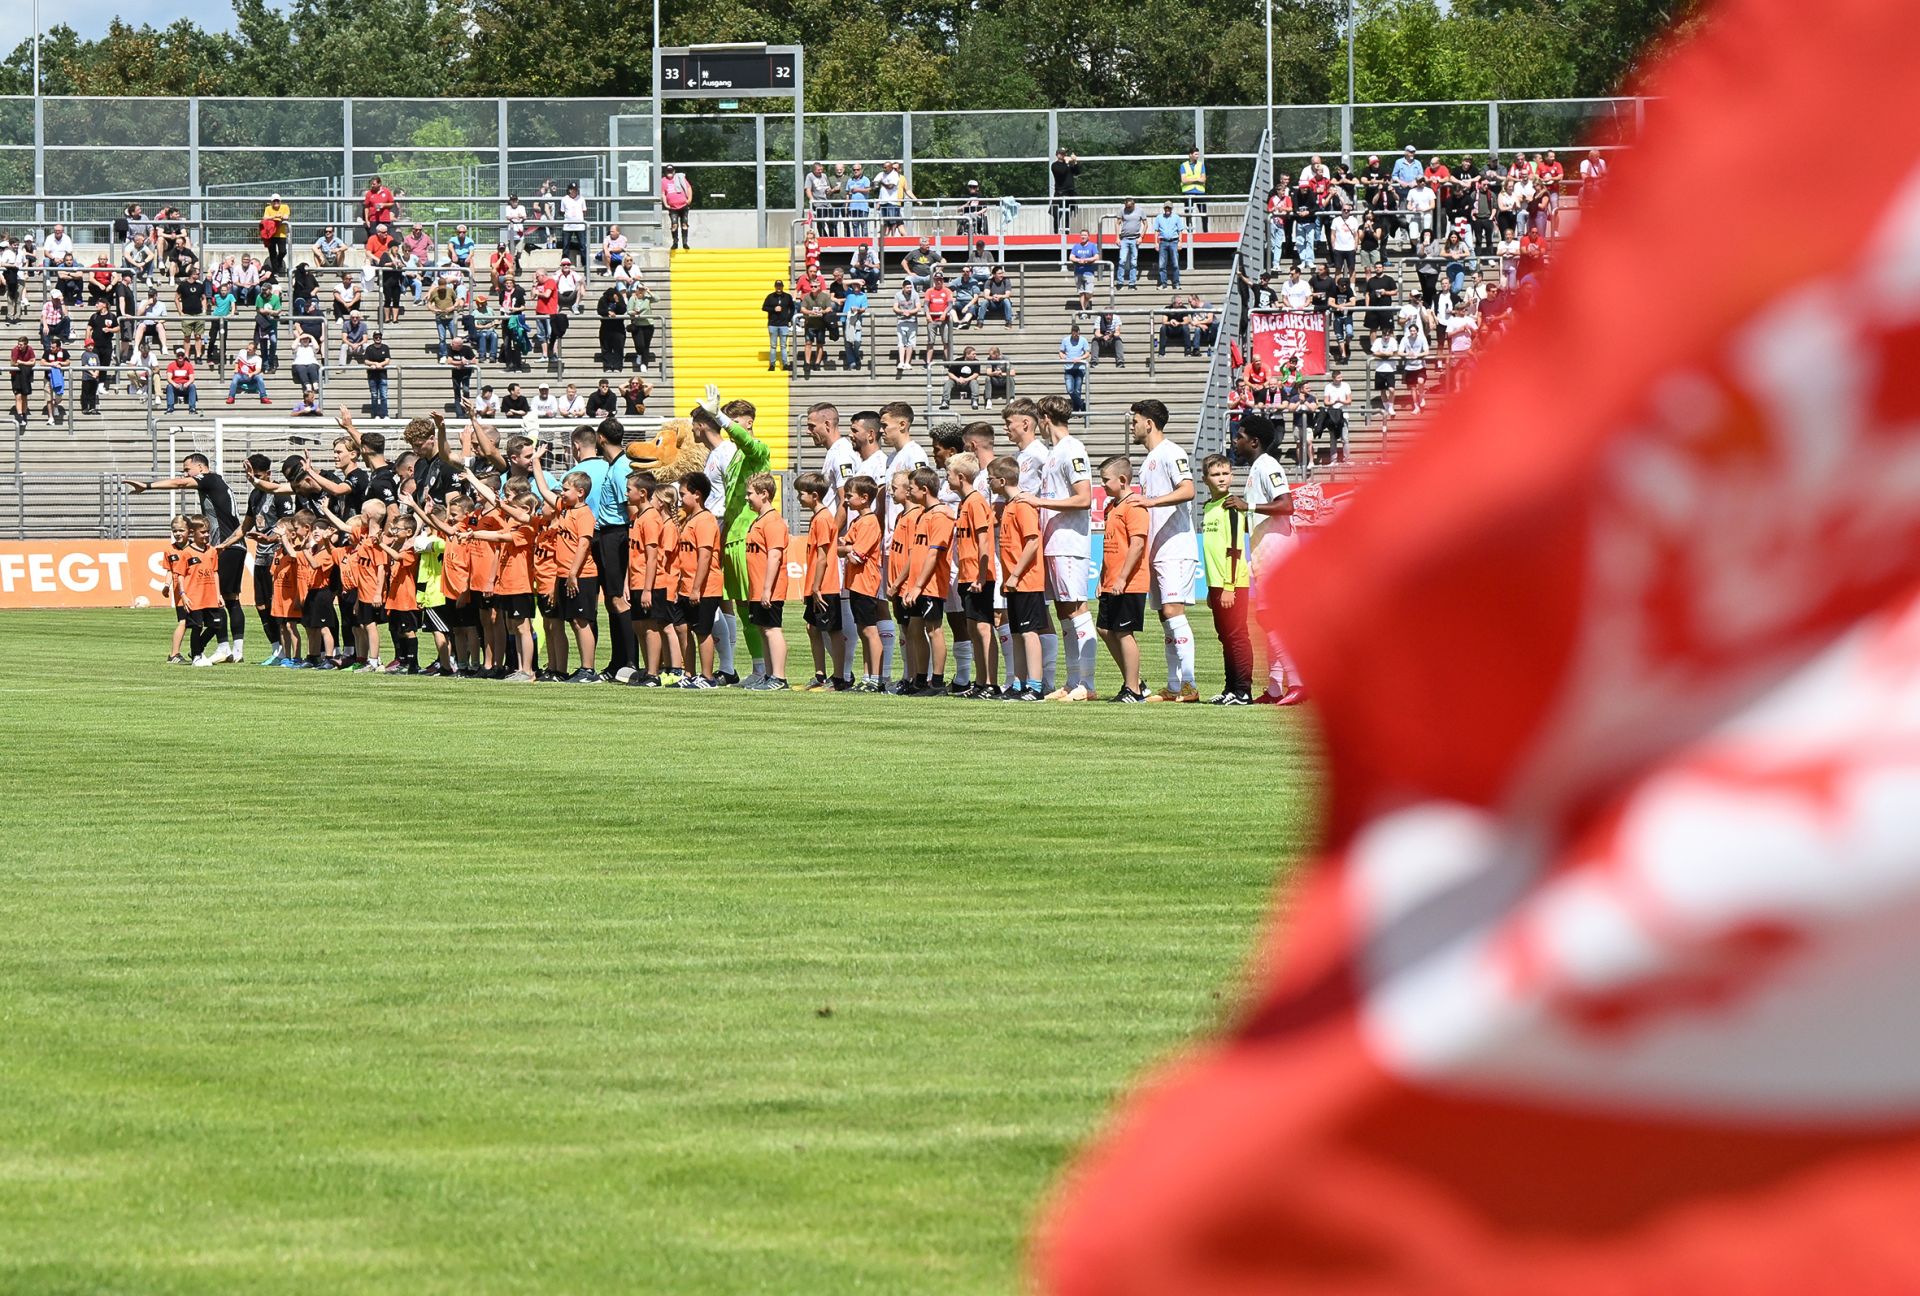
[[1210, 435]]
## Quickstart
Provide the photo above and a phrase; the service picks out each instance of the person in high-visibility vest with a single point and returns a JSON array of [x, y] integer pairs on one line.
[[1193, 183]]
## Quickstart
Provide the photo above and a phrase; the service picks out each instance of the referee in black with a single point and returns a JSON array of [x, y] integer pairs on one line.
[[216, 501]]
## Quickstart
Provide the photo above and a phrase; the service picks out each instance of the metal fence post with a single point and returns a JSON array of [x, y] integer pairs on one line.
[[39, 161], [194, 211], [346, 162], [760, 173], [1346, 133], [906, 164], [1493, 128], [501, 162]]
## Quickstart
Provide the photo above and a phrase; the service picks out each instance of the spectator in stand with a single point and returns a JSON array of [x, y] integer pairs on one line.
[[819, 194], [1065, 172], [1593, 173], [1000, 376], [308, 405], [613, 251], [573, 224], [818, 310], [445, 305], [377, 209], [276, 226], [994, 298], [58, 247], [1108, 342], [853, 325], [190, 298], [572, 404], [906, 326], [482, 323], [1203, 326], [973, 213], [964, 380], [1296, 293], [866, 268], [153, 321], [939, 306], [635, 394], [137, 257], [354, 338], [676, 195], [550, 323], [778, 306], [515, 403], [306, 361], [611, 311], [1407, 172], [1336, 397], [377, 356], [1084, 259], [460, 248], [329, 249], [545, 404], [1168, 231], [971, 283], [247, 277], [246, 376], [602, 402], [1130, 226], [1173, 325], [1343, 239], [1193, 187], [1551, 176], [1075, 351], [23, 358], [919, 265], [1421, 202], [180, 384], [891, 195], [1533, 253], [640, 323]]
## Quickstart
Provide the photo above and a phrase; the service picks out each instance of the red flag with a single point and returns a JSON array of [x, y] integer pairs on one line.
[[1605, 984]]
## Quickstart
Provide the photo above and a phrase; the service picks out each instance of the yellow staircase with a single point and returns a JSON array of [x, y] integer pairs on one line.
[[720, 336]]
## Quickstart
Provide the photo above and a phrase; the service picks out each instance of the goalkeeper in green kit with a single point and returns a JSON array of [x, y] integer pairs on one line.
[[734, 455]]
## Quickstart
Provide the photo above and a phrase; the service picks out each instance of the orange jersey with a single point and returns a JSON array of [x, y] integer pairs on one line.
[[456, 566], [285, 575], [483, 558], [767, 534], [823, 567], [315, 566], [514, 575], [666, 567], [174, 557], [863, 555], [370, 571], [403, 580], [573, 532], [1019, 527], [1126, 522], [643, 537], [702, 531], [899, 546], [973, 540], [202, 579], [932, 534]]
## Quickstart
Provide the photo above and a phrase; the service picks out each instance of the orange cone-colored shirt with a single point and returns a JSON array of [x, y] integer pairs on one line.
[[823, 566], [315, 565], [370, 572], [973, 540], [1019, 524], [456, 566], [666, 571], [701, 531], [202, 579], [572, 531], [768, 533], [1126, 522], [285, 573], [514, 574], [403, 580], [933, 533], [900, 546], [863, 556], [175, 559]]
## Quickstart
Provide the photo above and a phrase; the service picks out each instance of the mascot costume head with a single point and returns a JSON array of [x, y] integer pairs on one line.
[[672, 453]]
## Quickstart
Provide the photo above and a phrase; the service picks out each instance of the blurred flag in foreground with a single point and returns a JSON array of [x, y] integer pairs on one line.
[[1609, 981]]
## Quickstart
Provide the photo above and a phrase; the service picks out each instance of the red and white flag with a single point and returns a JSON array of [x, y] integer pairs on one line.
[[1609, 981]]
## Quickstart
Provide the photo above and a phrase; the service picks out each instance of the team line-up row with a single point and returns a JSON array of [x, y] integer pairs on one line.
[[897, 550]]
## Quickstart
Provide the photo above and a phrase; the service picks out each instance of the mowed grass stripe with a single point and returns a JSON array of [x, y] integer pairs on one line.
[[368, 985]]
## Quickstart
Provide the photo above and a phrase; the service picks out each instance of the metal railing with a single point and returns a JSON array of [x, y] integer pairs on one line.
[[55, 505], [1210, 435]]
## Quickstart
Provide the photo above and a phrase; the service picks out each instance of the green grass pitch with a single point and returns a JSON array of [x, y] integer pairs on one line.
[[343, 984]]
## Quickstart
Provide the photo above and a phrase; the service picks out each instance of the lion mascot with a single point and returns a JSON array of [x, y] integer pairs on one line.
[[671, 454]]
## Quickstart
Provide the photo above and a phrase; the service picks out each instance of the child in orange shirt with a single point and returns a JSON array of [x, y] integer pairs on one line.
[[284, 580], [569, 578], [767, 543], [925, 592], [646, 575], [200, 587], [1123, 576], [173, 562], [507, 529], [860, 548], [822, 588], [317, 564], [403, 592], [701, 574], [973, 570], [459, 612], [906, 515], [1021, 579], [667, 612], [370, 591]]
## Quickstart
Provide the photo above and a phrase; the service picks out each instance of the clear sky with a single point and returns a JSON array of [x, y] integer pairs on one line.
[[90, 17]]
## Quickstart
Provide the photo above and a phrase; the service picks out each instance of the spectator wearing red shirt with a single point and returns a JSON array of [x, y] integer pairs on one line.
[[939, 303], [550, 324], [378, 242], [1551, 173], [180, 384], [22, 374], [1533, 252], [376, 206]]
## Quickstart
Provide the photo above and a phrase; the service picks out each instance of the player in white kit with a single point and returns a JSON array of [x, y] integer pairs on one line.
[[1066, 529], [1270, 499], [1166, 489], [903, 455], [1021, 418], [865, 434], [840, 466]]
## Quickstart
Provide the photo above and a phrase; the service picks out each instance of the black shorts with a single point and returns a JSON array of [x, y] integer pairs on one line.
[[369, 614], [900, 610], [584, 606], [928, 607], [549, 605], [518, 607], [868, 609], [203, 619], [1026, 611], [1383, 380], [233, 569], [317, 610], [179, 611], [404, 623], [263, 588], [482, 602], [435, 619], [23, 382], [768, 616], [823, 613], [668, 610], [698, 615], [1121, 613], [977, 606]]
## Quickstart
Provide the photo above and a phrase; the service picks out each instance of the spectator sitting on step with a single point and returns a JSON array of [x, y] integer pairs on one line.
[[569, 283], [613, 250], [138, 257], [1000, 374], [963, 379], [545, 404], [866, 268], [996, 299], [515, 403], [919, 265], [1107, 340], [603, 402], [1173, 325], [572, 404], [1259, 380], [635, 393], [501, 264], [329, 249], [460, 247], [354, 336], [967, 287], [1203, 325], [487, 404]]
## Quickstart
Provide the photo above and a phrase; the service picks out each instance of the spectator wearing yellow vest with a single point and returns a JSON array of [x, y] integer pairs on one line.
[[1193, 183]]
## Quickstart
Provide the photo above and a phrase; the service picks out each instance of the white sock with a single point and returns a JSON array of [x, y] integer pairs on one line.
[[726, 628], [1085, 644], [1009, 670], [1180, 637], [963, 663], [760, 666], [843, 664], [887, 632], [1049, 657], [1172, 657], [239, 647], [1279, 669]]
